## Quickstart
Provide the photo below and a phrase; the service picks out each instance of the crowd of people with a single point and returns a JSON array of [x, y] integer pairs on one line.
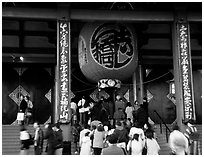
[[127, 131], [52, 134], [130, 131]]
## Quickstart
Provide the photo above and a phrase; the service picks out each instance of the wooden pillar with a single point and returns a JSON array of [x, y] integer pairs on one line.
[[140, 85], [134, 80], [56, 95], [182, 69]]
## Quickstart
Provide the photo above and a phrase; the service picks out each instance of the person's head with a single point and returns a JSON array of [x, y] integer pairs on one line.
[[85, 126], [21, 97], [136, 137], [87, 133], [54, 127], [118, 97], [100, 128], [145, 99], [175, 126], [149, 134], [189, 122], [129, 104], [93, 127], [102, 98], [35, 125], [118, 123], [48, 126], [27, 98], [106, 128], [136, 124], [112, 138], [57, 125]]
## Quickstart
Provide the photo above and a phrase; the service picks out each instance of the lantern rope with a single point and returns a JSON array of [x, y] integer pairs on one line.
[[83, 81], [79, 91], [95, 86], [156, 78], [152, 79]]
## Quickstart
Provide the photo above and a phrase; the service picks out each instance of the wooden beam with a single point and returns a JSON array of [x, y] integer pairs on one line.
[[94, 15]]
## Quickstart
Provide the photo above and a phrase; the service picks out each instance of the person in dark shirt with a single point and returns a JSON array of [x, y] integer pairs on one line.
[[58, 139], [119, 115], [122, 135], [113, 149], [38, 139], [51, 140], [140, 116], [23, 104]]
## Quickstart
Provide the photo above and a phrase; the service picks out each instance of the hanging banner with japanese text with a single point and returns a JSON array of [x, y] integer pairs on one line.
[[186, 71], [64, 70]]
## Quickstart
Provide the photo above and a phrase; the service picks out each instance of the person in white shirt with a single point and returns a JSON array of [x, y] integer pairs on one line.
[[86, 145], [152, 145], [135, 145], [24, 138], [74, 110], [82, 134], [83, 110], [178, 142], [128, 111], [136, 130]]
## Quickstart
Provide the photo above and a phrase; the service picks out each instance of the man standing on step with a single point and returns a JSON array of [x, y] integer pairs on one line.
[[38, 139]]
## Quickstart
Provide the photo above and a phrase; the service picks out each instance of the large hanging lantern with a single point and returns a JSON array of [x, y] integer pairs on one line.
[[107, 51]]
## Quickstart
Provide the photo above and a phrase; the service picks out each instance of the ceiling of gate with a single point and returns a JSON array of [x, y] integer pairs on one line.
[[36, 40]]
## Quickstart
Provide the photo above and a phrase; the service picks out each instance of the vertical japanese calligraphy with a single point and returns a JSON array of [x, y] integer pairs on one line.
[[186, 71], [63, 71]]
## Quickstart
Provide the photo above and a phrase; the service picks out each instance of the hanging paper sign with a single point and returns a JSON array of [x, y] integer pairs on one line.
[[103, 83], [64, 59], [186, 76]]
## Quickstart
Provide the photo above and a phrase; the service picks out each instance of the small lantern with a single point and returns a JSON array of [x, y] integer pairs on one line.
[[172, 90]]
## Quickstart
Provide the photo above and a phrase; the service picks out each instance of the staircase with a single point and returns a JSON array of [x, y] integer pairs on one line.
[[161, 139], [11, 141]]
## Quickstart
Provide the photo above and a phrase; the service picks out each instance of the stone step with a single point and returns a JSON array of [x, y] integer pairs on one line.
[[11, 142]]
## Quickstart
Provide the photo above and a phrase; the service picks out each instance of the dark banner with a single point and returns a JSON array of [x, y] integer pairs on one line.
[[64, 69], [185, 67]]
